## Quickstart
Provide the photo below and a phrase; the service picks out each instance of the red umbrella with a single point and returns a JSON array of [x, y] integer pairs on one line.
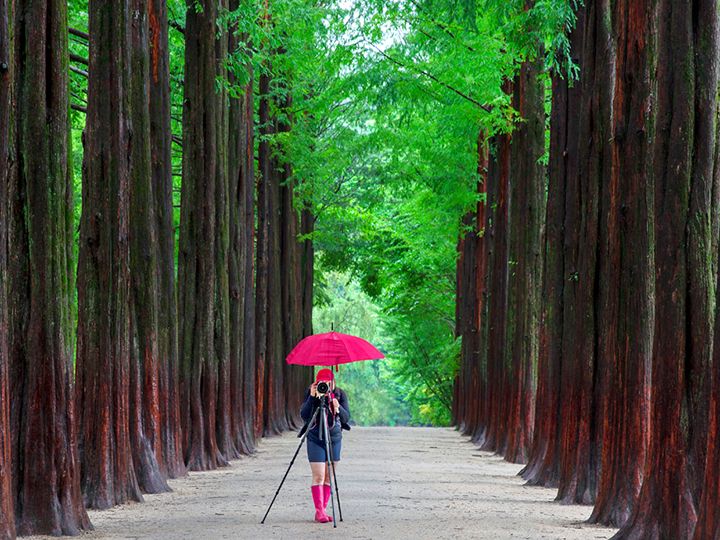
[[332, 349]]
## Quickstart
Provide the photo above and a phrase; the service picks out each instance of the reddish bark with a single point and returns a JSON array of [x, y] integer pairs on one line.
[[223, 203], [527, 211], [291, 307], [466, 308], [280, 312], [198, 238], [103, 356], [275, 367], [242, 185], [708, 523], [172, 462], [579, 419], [7, 507], [45, 468], [498, 175], [708, 508], [544, 461], [145, 422], [682, 162], [261, 286], [483, 254], [625, 311], [471, 307]]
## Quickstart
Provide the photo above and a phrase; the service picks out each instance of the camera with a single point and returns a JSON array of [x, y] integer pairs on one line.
[[323, 388]]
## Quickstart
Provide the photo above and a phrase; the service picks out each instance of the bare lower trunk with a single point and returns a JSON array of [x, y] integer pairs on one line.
[[103, 369], [161, 166], [45, 467], [197, 285], [7, 506]]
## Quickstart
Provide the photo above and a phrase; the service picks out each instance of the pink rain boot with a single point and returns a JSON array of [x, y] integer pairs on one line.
[[317, 495], [327, 493]]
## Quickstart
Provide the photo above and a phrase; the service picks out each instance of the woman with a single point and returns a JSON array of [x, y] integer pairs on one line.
[[338, 417]]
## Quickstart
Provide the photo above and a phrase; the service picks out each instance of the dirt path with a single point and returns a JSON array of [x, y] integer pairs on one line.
[[395, 483]]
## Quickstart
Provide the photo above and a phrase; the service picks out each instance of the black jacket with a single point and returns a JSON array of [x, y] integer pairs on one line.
[[336, 422]]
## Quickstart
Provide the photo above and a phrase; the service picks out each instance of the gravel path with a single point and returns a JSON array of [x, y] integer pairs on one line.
[[395, 483]]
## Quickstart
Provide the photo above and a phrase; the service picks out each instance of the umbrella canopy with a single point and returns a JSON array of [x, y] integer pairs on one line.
[[332, 349]]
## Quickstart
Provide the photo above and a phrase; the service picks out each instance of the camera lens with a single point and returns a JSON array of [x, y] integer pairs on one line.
[[323, 387]]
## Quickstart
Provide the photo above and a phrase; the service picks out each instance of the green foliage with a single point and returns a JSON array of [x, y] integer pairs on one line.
[[387, 100], [375, 396]]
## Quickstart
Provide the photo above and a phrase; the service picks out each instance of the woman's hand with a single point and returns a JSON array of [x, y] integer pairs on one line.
[[313, 390], [335, 406]]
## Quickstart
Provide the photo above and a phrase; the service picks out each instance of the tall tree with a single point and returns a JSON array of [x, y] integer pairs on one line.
[[471, 319], [527, 213], [145, 360], [499, 178], [241, 176], [103, 369], [682, 161], [161, 165], [625, 300], [198, 238], [275, 368], [261, 266], [46, 473], [224, 201], [307, 262], [467, 303], [544, 461], [7, 507]]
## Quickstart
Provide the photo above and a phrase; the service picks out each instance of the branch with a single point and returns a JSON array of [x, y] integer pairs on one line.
[[79, 59], [176, 26], [486, 108], [442, 26], [79, 33], [79, 71], [79, 108]]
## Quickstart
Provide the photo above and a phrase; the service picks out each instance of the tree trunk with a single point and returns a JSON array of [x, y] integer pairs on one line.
[[466, 323], [708, 523], [307, 223], [275, 396], [145, 421], [160, 154], [625, 304], [225, 440], [580, 422], [291, 297], [261, 287], [543, 467], [499, 175], [45, 468], [527, 210], [470, 300], [242, 223], [198, 238], [104, 366], [682, 159], [7, 506]]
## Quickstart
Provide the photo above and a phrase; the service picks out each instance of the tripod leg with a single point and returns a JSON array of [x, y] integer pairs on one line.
[[290, 466], [337, 489], [327, 461]]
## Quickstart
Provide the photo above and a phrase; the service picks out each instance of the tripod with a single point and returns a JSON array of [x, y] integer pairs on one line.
[[325, 436]]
